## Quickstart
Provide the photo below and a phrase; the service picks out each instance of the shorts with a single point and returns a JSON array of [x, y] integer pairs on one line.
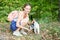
[[13, 26]]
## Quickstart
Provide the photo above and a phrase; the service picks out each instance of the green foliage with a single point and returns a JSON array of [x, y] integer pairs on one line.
[[41, 9]]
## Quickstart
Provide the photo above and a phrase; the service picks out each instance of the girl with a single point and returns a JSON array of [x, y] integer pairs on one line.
[[20, 19]]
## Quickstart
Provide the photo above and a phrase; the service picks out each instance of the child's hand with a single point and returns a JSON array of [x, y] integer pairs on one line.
[[29, 30]]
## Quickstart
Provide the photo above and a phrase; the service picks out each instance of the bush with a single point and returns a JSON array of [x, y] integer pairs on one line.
[[41, 9]]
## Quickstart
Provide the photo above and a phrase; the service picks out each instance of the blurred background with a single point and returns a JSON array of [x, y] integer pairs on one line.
[[44, 11]]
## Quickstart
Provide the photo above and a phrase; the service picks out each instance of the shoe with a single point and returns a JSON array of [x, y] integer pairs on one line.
[[17, 33], [22, 31]]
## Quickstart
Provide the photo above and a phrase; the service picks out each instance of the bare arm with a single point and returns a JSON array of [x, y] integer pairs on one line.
[[20, 17], [12, 15], [9, 18]]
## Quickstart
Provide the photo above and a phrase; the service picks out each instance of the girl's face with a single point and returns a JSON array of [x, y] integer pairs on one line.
[[27, 9]]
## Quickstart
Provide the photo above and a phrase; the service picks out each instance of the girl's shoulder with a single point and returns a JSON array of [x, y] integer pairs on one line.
[[21, 12], [14, 12]]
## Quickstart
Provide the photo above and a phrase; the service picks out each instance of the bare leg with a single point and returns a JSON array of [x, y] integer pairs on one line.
[[22, 30], [18, 29], [16, 32]]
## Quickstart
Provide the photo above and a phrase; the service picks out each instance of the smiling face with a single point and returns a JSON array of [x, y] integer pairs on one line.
[[27, 8]]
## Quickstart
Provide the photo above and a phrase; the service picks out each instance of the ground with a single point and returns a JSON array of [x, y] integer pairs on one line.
[[48, 31]]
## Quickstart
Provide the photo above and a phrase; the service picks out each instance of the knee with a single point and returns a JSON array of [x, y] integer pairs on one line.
[[23, 24]]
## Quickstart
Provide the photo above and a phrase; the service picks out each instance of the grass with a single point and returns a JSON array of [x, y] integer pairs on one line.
[[48, 31]]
